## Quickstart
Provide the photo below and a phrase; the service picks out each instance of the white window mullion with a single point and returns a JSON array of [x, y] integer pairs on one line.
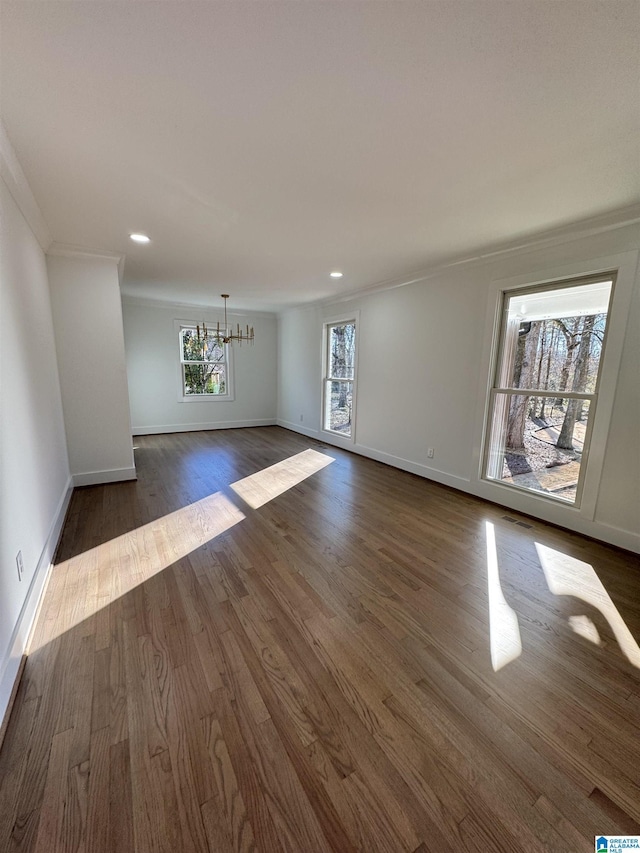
[[551, 347], [218, 361], [339, 360]]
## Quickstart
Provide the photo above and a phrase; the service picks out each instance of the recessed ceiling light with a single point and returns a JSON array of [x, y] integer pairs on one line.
[[140, 238], [336, 274]]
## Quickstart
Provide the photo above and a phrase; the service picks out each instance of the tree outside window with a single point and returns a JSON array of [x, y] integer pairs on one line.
[[340, 359], [545, 393], [204, 364]]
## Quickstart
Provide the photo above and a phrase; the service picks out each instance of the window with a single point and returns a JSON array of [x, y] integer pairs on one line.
[[204, 365], [339, 378], [544, 396]]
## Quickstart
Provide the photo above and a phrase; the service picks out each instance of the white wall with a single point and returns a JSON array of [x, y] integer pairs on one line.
[[152, 353], [87, 315], [620, 507], [299, 398], [34, 470], [424, 354]]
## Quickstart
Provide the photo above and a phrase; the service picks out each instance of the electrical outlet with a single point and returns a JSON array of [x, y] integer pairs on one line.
[[20, 565], [430, 452], [301, 419]]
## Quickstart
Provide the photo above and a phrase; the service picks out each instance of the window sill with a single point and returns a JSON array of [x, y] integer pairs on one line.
[[207, 398]]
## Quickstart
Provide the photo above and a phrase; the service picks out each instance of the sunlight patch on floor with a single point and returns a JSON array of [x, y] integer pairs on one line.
[[263, 486], [95, 578], [504, 629], [87, 583], [584, 627], [568, 576]]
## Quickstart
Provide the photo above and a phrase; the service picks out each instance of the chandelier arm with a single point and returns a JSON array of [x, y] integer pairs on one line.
[[228, 336]]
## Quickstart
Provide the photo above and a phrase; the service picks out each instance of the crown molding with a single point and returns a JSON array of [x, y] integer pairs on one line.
[[18, 186], [68, 250], [193, 306], [590, 227]]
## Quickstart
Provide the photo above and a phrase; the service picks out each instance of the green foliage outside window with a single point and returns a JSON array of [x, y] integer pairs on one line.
[[204, 364]]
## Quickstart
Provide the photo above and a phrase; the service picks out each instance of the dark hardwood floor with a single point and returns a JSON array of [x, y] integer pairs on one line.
[[309, 666]]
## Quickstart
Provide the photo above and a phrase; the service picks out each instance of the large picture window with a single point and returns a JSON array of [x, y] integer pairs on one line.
[[204, 363], [339, 379], [546, 385]]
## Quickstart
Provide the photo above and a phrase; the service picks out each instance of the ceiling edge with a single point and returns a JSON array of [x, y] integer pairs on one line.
[[14, 177], [193, 306], [590, 227], [68, 250]]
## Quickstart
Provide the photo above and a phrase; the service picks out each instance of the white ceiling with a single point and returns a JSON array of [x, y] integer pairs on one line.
[[261, 144]]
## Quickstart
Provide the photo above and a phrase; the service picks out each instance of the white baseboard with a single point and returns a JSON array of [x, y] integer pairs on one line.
[[10, 667], [96, 478], [301, 428], [198, 427], [380, 456], [413, 467], [567, 517], [617, 536]]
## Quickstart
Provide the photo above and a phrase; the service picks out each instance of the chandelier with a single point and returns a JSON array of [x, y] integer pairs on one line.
[[225, 333]]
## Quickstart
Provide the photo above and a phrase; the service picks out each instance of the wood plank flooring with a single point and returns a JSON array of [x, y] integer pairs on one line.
[[303, 662]]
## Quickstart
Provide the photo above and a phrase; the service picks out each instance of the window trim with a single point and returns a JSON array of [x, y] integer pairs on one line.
[[327, 323], [624, 263], [229, 396], [494, 389]]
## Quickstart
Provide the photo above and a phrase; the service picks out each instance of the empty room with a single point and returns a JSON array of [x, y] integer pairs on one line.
[[320, 426]]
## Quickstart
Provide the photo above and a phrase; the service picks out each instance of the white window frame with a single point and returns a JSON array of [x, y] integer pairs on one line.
[[559, 512], [229, 395], [328, 323], [498, 389]]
